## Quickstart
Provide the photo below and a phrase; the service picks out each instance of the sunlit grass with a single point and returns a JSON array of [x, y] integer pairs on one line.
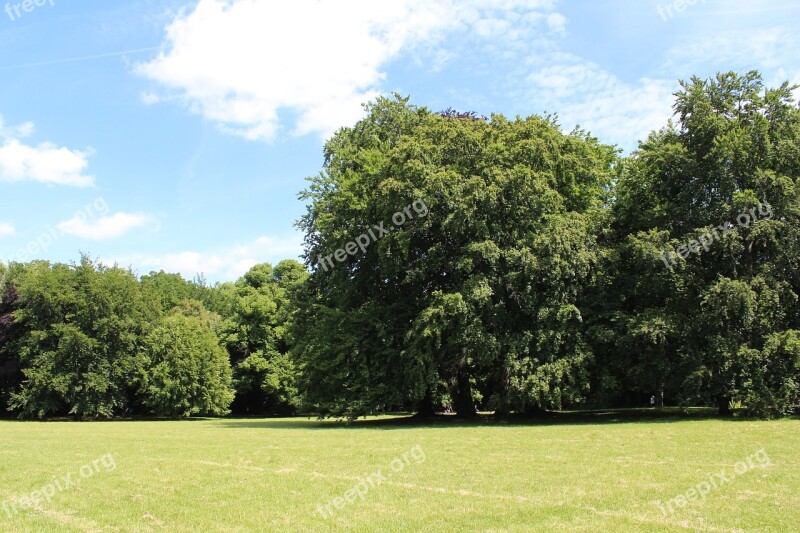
[[580, 474]]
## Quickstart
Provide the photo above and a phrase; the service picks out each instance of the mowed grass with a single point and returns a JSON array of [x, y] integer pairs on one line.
[[578, 474]]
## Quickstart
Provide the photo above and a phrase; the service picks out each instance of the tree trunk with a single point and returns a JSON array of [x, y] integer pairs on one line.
[[462, 395], [425, 406], [502, 410], [724, 406]]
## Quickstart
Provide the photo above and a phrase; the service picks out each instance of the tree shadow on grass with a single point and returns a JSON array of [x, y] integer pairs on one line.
[[551, 418], [408, 421], [73, 420]]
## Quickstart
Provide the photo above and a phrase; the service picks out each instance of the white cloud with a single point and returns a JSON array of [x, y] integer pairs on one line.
[[557, 22], [771, 50], [150, 98], [22, 130], [256, 67], [103, 228], [6, 229], [45, 163], [240, 63], [768, 48], [224, 264], [583, 93]]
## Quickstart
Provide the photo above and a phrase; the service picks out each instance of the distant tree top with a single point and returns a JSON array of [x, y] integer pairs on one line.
[[452, 113]]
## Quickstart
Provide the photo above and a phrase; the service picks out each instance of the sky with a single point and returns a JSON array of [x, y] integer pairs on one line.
[[173, 135]]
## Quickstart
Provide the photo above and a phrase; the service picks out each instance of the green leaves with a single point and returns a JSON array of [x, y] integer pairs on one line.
[[257, 338], [188, 371], [541, 275], [733, 152], [79, 329], [460, 293]]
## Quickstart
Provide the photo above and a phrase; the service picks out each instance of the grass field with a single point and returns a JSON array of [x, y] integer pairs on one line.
[[582, 473]]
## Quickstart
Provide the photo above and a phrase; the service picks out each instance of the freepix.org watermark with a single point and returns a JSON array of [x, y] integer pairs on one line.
[[372, 481], [15, 504], [764, 210], [363, 241], [20, 8], [715, 481], [40, 245], [678, 5]]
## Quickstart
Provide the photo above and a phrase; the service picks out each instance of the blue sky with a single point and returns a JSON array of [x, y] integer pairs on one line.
[[176, 135]]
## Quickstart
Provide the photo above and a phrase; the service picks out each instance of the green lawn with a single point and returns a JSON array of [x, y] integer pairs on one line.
[[585, 473]]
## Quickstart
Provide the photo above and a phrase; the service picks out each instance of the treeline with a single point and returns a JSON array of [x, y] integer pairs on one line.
[[90, 341], [538, 270]]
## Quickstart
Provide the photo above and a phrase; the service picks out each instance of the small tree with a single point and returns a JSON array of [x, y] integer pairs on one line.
[[256, 338], [189, 372]]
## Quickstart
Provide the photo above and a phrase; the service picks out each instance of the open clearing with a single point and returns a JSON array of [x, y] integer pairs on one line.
[[272, 474]]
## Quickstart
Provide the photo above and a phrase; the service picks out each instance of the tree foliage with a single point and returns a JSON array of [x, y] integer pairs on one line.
[[257, 338], [92, 341], [457, 258], [480, 295], [79, 332], [693, 327], [188, 372]]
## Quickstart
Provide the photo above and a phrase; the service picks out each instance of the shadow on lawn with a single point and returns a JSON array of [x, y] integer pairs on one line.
[[604, 416], [407, 420]]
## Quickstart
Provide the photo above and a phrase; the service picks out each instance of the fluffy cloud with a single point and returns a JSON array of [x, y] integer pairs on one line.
[[222, 265], [103, 228], [583, 93], [769, 48], [255, 67], [6, 229], [22, 130], [240, 63], [45, 163]]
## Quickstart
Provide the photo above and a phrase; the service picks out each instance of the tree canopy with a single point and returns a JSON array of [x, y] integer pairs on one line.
[[90, 341], [452, 258]]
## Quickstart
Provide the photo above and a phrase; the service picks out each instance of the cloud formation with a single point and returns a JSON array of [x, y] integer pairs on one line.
[[44, 163], [103, 228], [222, 264], [583, 93], [242, 63], [6, 230]]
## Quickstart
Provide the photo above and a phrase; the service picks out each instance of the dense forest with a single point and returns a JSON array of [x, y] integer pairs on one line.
[[458, 259]]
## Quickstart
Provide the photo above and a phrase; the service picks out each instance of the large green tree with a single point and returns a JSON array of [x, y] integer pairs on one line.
[[721, 185], [79, 329], [478, 290]]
